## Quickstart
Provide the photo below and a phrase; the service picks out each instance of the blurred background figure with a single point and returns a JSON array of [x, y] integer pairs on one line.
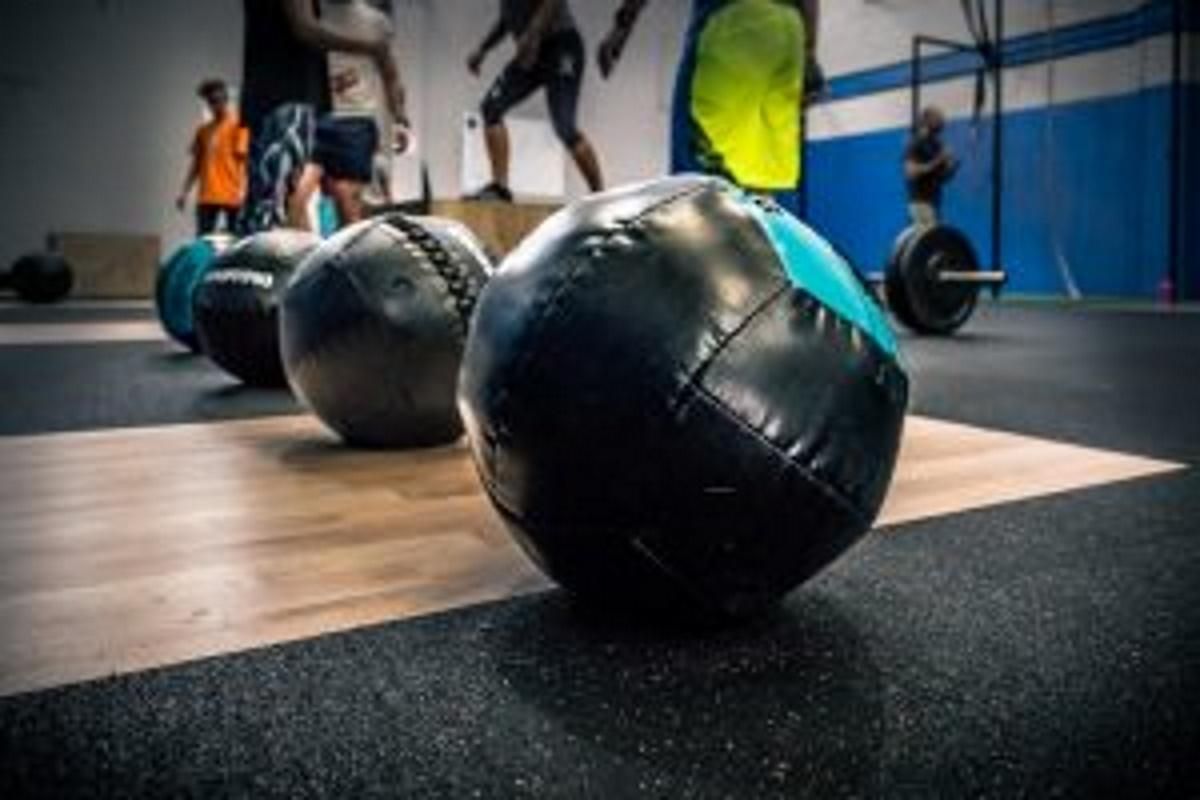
[[285, 89], [928, 167], [550, 55], [218, 163], [740, 89], [367, 122]]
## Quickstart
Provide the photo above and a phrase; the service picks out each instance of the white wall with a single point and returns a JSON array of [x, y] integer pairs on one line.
[[859, 34], [98, 95], [626, 117], [98, 100]]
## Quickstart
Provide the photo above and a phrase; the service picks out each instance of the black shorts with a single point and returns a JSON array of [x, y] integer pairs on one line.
[[208, 217], [559, 68], [345, 147], [278, 151]]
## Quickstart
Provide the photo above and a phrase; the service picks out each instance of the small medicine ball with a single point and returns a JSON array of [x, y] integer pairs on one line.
[[680, 398], [41, 277], [176, 284], [373, 328], [236, 306]]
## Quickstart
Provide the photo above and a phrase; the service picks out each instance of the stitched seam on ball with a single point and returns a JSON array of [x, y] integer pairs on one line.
[[451, 272], [774, 449], [565, 284], [679, 399], [661, 204], [540, 320]]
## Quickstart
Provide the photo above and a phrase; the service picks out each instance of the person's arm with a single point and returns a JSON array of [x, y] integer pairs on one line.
[[812, 20], [393, 86], [531, 39], [915, 169], [309, 29], [193, 174], [814, 77], [493, 38], [611, 46]]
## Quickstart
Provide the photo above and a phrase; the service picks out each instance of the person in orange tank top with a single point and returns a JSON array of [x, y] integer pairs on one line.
[[218, 164]]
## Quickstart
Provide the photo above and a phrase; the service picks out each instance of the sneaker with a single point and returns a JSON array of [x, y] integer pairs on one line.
[[494, 192]]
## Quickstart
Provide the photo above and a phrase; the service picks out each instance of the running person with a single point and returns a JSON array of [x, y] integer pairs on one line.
[[367, 121], [550, 55], [285, 87], [740, 89]]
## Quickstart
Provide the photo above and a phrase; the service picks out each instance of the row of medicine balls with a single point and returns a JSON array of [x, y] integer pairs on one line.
[[367, 327], [676, 395]]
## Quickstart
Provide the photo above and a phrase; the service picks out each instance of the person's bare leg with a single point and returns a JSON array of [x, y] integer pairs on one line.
[[297, 202], [347, 198], [588, 163], [498, 149]]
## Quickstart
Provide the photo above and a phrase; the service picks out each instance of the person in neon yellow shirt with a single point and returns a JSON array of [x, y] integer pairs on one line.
[[740, 89]]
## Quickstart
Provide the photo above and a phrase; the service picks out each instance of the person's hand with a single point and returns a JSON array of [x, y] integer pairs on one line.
[[401, 137], [475, 62], [527, 50], [815, 85], [609, 51], [181, 203]]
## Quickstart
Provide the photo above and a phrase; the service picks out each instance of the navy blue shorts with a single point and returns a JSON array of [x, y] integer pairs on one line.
[[344, 147]]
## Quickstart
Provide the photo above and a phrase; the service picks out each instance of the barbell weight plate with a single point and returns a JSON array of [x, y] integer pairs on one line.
[[895, 288], [935, 306]]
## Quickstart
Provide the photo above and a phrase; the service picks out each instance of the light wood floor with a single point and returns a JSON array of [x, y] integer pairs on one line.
[[126, 549], [80, 332]]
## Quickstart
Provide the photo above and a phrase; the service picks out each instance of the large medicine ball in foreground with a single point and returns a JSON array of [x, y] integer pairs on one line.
[[236, 306], [373, 328], [176, 284], [678, 397], [40, 277]]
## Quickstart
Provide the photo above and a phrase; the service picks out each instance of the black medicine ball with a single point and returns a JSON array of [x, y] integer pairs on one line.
[[236, 307], [373, 328], [679, 397], [40, 277]]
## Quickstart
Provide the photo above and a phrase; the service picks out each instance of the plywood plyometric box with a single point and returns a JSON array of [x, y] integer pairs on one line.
[[110, 265], [500, 226]]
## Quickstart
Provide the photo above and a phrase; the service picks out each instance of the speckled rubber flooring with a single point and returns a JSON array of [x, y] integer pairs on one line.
[[1042, 649]]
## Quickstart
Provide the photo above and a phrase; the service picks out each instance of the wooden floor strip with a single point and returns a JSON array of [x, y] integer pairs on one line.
[[126, 549], [79, 332]]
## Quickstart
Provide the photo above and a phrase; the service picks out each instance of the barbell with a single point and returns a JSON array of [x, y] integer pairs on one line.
[[933, 278]]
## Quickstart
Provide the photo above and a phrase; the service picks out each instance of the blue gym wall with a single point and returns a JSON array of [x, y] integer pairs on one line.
[[1189, 244], [1086, 184]]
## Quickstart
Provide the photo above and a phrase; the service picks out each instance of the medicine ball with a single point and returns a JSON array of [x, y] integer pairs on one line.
[[176, 284], [680, 398], [373, 328], [40, 278], [236, 306]]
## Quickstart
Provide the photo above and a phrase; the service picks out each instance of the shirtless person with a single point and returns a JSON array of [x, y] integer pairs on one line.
[[285, 89], [550, 55], [367, 115]]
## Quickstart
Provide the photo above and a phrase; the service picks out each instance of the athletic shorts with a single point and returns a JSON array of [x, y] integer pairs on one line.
[[345, 147], [739, 94], [559, 69], [278, 151]]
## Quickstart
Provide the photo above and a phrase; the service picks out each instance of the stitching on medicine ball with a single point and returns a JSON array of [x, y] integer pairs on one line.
[[445, 263]]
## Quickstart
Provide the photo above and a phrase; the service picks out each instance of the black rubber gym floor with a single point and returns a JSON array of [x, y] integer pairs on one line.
[[1047, 648], [49, 387]]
